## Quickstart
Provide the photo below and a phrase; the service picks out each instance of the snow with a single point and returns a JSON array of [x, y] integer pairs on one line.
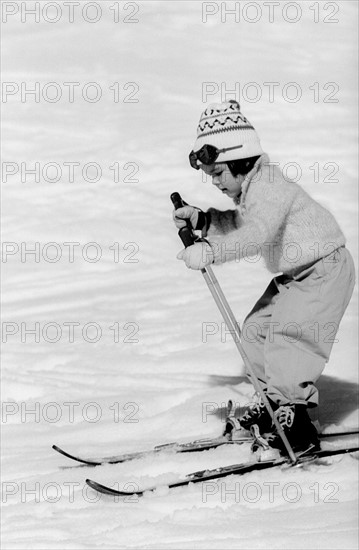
[[161, 380]]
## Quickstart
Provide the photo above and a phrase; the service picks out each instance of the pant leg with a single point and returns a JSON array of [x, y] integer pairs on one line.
[[255, 328], [305, 319]]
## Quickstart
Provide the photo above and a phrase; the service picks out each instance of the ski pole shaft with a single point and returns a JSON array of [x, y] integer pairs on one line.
[[214, 281], [236, 335], [188, 239]]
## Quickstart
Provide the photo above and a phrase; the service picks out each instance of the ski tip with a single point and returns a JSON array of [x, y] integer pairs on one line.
[[84, 461], [93, 484], [61, 451], [103, 489]]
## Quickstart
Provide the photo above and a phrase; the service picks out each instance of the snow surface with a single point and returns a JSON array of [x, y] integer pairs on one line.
[[129, 396]]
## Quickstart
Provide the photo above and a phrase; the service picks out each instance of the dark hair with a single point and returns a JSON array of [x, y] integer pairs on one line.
[[242, 166]]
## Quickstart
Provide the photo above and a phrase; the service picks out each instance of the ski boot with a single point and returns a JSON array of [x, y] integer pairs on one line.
[[299, 429], [257, 414]]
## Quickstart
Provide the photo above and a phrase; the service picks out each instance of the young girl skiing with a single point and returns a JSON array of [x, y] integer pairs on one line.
[[285, 336]]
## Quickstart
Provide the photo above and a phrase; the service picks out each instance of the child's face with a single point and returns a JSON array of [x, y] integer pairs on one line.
[[223, 179]]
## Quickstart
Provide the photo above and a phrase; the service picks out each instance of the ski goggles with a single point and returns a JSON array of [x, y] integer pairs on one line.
[[208, 154]]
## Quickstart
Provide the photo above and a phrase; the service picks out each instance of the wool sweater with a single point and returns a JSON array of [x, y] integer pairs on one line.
[[274, 219]]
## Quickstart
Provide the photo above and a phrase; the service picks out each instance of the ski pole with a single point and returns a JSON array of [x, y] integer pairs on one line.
[[188, 239]]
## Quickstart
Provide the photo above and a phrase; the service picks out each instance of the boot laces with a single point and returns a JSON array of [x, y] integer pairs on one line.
[[254, 408], [285, 415]]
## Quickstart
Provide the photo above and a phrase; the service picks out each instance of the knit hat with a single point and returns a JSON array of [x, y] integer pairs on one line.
[[223, 125]]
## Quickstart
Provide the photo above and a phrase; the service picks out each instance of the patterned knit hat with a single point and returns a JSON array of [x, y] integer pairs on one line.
[[223, 125]]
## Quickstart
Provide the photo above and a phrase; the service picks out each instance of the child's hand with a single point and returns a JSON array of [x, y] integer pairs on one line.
[[197, 256], [196, 216]]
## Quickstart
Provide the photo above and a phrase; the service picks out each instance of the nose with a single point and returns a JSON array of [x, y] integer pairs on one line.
[[216, 180]]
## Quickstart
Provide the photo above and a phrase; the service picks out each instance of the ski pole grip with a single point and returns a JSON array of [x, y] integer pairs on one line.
[[177, 200], [186, 236], [185, 233]]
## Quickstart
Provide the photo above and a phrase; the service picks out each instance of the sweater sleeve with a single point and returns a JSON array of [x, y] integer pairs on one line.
[[223, 222], [266, 211]]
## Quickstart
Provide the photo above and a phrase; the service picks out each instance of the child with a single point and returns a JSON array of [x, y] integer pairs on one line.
[[289, 333]]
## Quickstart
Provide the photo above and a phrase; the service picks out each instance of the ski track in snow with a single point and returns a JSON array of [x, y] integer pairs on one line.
[[159, 388]]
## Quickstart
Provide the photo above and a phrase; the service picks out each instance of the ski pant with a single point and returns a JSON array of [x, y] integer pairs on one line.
[[289, 334]]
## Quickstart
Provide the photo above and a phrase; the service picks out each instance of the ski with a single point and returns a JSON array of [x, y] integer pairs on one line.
[[175, 447], [208, 475]]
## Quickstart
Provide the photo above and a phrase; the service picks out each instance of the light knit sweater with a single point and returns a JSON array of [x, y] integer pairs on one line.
[[274, 219]]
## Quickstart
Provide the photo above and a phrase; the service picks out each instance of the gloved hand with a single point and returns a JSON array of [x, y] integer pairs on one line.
[[196, 216], [197, 256]]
